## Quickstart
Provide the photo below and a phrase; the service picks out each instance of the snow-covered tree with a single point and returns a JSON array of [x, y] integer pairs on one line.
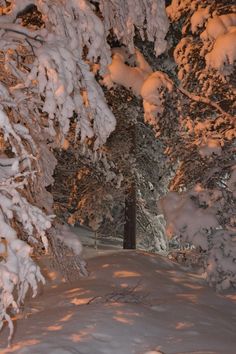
[[200, 207]]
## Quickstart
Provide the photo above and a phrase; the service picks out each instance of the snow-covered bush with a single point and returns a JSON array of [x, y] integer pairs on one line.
[[194, 218]]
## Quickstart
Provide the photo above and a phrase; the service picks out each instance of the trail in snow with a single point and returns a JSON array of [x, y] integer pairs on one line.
[[131, 302]]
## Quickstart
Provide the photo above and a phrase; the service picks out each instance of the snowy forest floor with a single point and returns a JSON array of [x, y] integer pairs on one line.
[[131, 302]]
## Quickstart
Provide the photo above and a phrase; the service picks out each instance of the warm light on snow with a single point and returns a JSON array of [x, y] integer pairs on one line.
[[172, 312], [125, 274], [58, 77]]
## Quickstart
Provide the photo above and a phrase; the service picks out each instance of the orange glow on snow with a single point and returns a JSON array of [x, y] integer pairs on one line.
[[65, 144], [192, 286], [60, 91], [78, 302], [22, 344], [116, 304], [79, 337], [183, 325], [54, 328], [105, 265], [189, 297], [75, 290], [123, 320], [231, 297], [52, 275], [66, 318], [124, 285], [126, 274]]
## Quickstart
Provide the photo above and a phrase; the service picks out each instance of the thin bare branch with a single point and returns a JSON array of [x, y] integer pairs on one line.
[[201, 99]]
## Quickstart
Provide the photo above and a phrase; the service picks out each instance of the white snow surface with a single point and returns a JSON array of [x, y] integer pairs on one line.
[[131, 302]]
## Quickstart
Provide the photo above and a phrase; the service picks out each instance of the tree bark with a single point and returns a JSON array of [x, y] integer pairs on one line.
[[129, 241]]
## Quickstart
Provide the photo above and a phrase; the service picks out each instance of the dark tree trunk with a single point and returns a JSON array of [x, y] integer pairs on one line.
[[130, 219], [129, 241]]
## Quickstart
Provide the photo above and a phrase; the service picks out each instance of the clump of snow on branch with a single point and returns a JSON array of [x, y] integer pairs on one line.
[[223, 52], [208, 141], [140, 79], [65, 235], [217, 26], [125, 75], [151, 92], [198, 18], [219, 36], [177, 7]]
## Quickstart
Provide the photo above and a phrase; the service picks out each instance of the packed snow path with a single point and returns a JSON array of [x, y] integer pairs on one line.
[[132, 302]]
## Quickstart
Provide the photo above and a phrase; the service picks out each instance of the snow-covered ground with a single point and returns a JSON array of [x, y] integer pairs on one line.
[[132, 302]]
